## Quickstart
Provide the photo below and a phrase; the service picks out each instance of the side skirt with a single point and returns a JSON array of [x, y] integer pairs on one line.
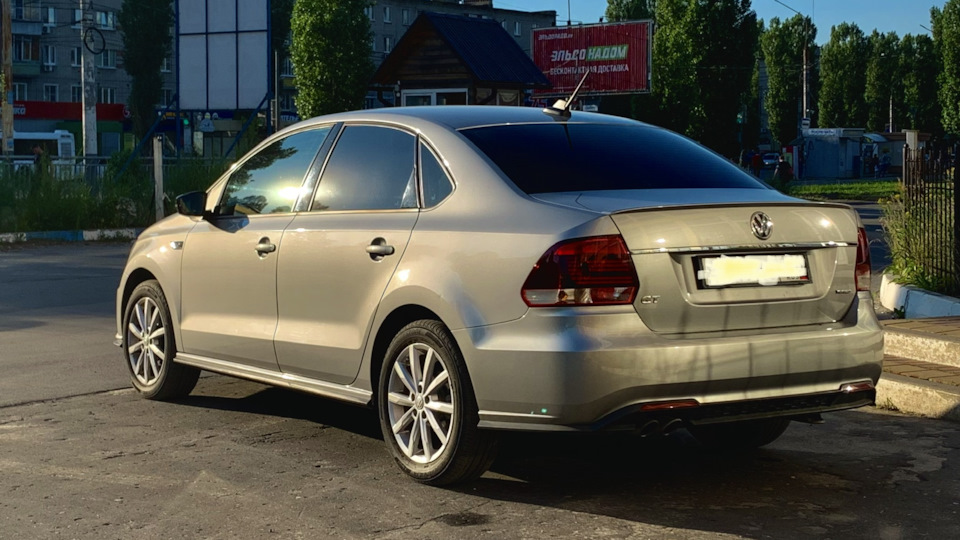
[[276, 378]]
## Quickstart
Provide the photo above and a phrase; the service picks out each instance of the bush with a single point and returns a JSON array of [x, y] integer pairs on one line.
[[910, 247]]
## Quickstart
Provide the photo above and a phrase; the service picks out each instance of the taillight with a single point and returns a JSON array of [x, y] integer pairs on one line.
[[594, 270], [863, 261]]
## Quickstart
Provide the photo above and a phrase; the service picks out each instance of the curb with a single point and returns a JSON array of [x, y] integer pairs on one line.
[[71, 236], [919, 397], [916, 303]]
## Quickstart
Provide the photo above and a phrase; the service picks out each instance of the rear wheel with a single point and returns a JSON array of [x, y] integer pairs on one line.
[[149, 346], [428, 413], [744, 435]]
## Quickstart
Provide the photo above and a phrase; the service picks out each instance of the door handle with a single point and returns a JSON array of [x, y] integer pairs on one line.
[[378, 249], [374, 249], [264, 246]]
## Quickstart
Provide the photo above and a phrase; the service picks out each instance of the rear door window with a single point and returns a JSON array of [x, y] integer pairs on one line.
[[371, 168]]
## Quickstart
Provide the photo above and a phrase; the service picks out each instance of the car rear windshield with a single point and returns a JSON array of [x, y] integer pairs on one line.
[[558, 157]]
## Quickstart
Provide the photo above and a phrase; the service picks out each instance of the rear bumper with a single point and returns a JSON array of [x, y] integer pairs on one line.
[[597, 367]]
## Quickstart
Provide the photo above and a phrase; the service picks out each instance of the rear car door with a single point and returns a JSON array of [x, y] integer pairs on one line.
[[229, 268], [339, 257]]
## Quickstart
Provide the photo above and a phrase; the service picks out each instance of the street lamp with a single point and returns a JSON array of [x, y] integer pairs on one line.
[[806, 64]]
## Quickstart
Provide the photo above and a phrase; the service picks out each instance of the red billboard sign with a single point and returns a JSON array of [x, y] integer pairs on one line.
[[616, 54]]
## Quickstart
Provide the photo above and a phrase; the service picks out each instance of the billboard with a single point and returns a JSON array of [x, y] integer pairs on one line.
[[223, 60], [616, 54]]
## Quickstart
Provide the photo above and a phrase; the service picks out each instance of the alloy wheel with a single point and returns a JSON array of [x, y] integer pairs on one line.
[[420, 403], [146, 341]]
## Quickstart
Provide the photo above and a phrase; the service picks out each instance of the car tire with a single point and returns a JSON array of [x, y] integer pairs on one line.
[[427, 409], [739, 436], [149, 346]]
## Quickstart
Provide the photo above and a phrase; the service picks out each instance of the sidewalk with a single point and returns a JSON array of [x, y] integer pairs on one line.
[[921, 367]]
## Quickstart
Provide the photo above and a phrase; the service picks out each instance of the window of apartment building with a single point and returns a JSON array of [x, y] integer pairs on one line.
[[286, 68], [516, 28], [107, 20], [48, 55], [26, 10], [386, 14], [20, 91], [49, 18], [405, 16], [373, 42], [25, 49], [77, 18], [387, 44], [51, 92], [107, 59], [76, 93], [369, 11], [108, 95], [286, 101], [75, 57], [166, 66], [167, 97]]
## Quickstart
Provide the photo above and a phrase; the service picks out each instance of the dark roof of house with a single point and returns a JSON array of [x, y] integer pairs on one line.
[[484, 47]]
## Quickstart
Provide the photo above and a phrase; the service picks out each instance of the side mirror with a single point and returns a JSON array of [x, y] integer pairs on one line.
[[192, 204]]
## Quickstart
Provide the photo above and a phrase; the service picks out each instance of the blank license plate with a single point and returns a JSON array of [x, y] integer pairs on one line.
[[753, 270]]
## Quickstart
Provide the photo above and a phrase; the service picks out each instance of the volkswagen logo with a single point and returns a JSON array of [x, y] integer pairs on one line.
[[761, 225]]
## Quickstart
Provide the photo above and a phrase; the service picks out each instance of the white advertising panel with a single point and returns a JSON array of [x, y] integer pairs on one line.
[[223, 54]]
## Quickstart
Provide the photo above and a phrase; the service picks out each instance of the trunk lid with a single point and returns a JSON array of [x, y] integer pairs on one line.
[[702, 268]]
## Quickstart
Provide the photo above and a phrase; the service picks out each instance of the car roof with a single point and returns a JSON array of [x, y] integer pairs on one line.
[[463, 116]]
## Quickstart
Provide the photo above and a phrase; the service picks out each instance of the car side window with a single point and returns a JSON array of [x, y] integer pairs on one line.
[[270, 180], [436, 183], [370, 168]]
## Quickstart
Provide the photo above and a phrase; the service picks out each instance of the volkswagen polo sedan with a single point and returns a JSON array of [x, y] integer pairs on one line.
[[469, 270]]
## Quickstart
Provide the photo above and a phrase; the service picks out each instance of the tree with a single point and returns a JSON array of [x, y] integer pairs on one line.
[[883, 90], [704, 54], [630, 10], [783, 45], [920, 68], [843, 78], [145, 26], [331, 55], [946, 34]]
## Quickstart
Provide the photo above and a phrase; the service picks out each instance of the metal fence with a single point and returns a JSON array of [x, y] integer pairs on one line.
[[930, 179]]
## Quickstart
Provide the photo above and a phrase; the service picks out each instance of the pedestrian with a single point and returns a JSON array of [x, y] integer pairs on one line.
[[756, 162]]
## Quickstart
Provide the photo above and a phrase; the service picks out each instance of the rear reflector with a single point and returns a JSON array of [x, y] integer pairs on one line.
[[597, 270], [856, 387], [863, 261], [668, 405]]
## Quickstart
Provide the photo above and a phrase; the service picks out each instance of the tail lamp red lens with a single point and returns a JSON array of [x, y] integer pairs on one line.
[[597, 270], [863, 261]]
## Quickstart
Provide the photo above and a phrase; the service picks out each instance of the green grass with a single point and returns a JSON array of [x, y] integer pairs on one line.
[[868, 190]]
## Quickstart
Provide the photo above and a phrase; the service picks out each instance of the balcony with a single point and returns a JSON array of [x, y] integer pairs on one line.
[[26, 68], [27, 18]]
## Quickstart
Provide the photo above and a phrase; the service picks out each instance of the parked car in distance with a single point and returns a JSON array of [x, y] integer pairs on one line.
[[770, 160], [466, 270]]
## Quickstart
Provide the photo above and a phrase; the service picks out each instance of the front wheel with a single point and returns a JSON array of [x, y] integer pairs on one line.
[[149, 346], [427, 410]]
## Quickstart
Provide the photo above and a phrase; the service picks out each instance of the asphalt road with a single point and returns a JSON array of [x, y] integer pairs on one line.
[[82, 456]]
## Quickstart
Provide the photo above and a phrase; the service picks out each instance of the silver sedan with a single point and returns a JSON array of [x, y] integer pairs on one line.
[[468, 270]]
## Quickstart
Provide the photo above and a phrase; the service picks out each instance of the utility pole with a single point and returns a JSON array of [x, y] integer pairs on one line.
[[7, 111], [88, 73]]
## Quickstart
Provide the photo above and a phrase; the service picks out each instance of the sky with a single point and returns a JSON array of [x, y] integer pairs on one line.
[[900, 16]]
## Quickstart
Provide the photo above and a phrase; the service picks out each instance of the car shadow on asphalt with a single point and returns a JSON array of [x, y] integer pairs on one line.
[[284, 403]]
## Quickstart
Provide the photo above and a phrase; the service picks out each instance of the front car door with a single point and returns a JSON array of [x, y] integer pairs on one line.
[[229, 268], [339, 257]]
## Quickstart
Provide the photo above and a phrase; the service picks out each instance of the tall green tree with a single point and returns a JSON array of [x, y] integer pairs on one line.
[[704, 54], [629, 10], [145, 26], [946, 34], [883, 91], [843, 78], [331, 55], [920, 68], [782, 45]]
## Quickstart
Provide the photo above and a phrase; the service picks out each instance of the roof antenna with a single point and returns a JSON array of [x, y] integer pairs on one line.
[[562, 107]]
